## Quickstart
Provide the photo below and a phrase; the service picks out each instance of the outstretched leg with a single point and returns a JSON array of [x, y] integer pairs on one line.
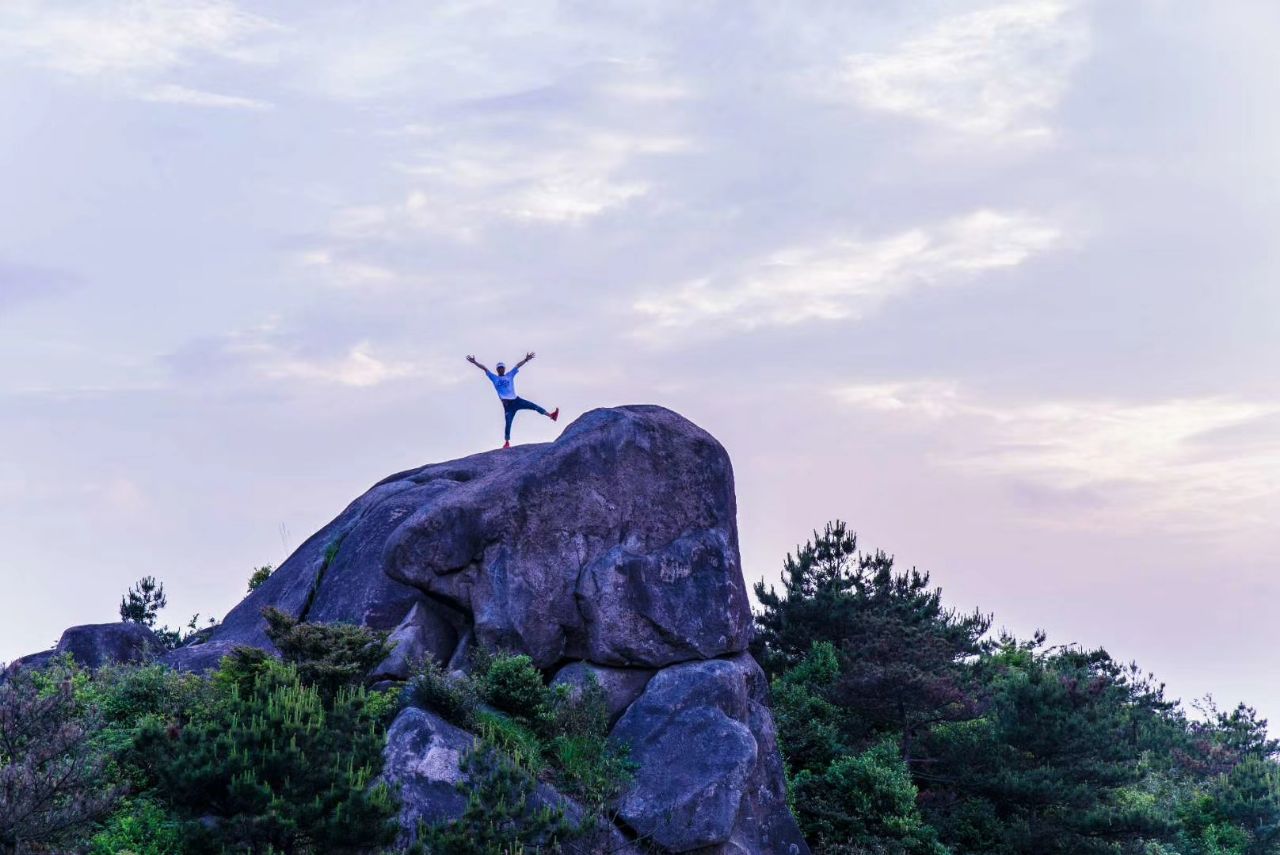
[[515, 405]]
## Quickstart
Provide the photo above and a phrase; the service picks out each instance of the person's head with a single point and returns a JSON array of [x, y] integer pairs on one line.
[[502, 369]]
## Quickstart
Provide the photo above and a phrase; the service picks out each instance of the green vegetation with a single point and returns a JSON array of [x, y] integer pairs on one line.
[[264, 756], [275, 766], [51, 767], [260, 575], [906, 729], [327, 655], [527, 733], [142, 604], [143, 601]]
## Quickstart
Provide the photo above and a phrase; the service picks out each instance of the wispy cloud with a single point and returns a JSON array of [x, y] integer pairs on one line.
[[267, 354], [1154, 462], [848, 278], [136, 45], [464, 180], [993, 71], [171, 93], [357, 367]]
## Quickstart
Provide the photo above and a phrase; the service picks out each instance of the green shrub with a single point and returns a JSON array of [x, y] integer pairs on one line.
[[511, 683], [588, 767], [512, 738], [430, 687], [503, 814], [260, 575], [864, 802], [140, 826], [276, 765], [328, 655]]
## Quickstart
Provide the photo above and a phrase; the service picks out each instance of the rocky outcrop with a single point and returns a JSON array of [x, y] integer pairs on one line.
[[96, 644], [616, 543], [708, 770], [608, 556]]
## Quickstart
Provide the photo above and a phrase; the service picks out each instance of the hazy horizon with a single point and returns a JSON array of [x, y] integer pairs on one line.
[[992, 281]]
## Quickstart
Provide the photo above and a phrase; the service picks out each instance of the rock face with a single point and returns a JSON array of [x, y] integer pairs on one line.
[[426, 759], [610, 554], [621, 686], [616, 543], [708, 772]]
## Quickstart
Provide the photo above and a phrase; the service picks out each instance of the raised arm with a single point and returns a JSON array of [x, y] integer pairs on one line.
[[527, 357], [472, 360]]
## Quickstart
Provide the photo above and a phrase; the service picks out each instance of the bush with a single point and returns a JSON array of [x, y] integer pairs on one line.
[[276, 765], [328, 655], [260, 575], [511, 683], [139, 826], [431, 688], [502, 814], [864, 802], [52, 781]]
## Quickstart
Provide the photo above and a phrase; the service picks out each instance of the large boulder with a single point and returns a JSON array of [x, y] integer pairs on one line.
[[708, 770], [615, 543], [609, 555], [97, 644]]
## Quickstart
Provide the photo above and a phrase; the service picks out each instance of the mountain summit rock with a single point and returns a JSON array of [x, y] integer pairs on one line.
[[609, 555]]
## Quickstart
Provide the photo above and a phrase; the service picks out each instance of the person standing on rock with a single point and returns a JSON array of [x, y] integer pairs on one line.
[[505, 384]]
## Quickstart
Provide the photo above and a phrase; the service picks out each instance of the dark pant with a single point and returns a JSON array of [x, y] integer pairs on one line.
[[514, 405]]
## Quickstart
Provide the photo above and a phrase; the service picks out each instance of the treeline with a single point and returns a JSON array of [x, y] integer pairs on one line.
[[908, 728]]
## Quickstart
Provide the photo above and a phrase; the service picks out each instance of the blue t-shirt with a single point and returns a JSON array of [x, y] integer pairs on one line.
[[506, 384]]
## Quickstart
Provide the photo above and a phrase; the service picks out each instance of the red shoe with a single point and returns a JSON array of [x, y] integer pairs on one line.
[[506, 444], [555, 414]]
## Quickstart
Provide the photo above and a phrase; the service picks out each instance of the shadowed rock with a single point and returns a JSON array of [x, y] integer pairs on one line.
[[708, 769], [615, 543], [620, 686], [425, 759]]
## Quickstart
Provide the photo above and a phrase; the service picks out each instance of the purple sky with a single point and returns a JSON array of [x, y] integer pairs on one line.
[[995, 282]]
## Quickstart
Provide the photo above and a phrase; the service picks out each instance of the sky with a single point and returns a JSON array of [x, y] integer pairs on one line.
[[995, 282]]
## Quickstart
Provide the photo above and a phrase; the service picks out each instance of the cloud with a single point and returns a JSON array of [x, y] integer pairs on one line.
[[1152, 462], [133, 44], [171, 93], [993, 71], [268, 353], [358, 368], [849, 278], [338, 270], [464, 180]]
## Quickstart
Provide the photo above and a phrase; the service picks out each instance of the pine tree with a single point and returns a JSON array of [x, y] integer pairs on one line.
[[901, 653], [141, 603]]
